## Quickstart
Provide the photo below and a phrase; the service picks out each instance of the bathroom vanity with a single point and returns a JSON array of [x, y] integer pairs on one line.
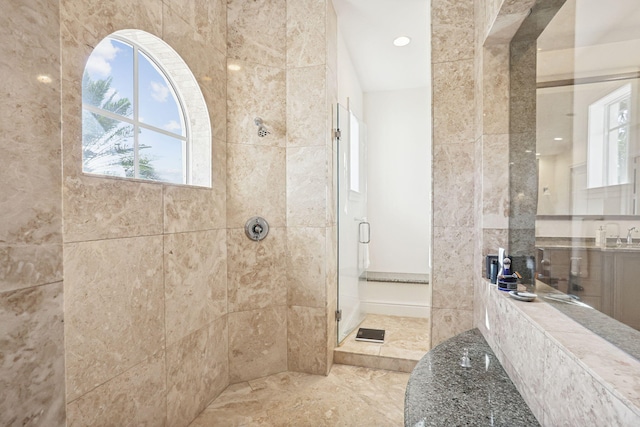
[[605, 278]]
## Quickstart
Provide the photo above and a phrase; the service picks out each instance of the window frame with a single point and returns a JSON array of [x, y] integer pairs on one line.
[[196, 137]]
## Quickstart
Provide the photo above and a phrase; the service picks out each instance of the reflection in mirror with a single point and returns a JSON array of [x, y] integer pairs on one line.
[[587, 148]]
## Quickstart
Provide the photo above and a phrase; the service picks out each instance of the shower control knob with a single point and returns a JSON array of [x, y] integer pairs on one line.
[[256, 228]]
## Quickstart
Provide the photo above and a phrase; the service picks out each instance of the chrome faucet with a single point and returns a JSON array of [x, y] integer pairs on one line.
[[629, 238]]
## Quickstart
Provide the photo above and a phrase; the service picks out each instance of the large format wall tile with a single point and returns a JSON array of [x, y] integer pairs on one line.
[[197, 372], [307, 186], [447, 322], [306, 28], [92, 20], [256, 91], [30, 199], [210, 70], [194, 209], [452, 274], [29, 265], [195, 283], [32, 357], [256, 184], [453, 103], [256, 31], [256, 270], [453, 185], [307, 340], [135, 397], [207, 18], [306, 266], [452, 37], [100, 208], [257, 343], [114, 308], [306, 106], [496, 90]]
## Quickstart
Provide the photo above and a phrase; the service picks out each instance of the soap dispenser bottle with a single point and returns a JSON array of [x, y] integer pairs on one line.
[[601, 237]]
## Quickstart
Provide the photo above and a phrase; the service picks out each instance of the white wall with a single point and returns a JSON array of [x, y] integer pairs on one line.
[[399, 179], [349, 88]]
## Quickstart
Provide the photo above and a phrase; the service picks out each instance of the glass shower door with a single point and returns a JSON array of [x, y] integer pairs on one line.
[[353, 228]]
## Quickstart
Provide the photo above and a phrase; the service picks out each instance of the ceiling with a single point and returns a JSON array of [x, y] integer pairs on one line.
[[369, 28]]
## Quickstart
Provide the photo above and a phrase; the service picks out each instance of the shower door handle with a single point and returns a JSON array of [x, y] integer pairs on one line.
[[364, 226]]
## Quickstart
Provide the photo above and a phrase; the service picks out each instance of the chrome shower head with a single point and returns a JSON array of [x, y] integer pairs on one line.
[[262, 130]]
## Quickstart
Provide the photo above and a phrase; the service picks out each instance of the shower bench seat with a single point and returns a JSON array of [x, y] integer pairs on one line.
[[441, 392]]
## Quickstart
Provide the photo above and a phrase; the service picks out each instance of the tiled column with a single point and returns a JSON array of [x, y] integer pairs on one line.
[[31, 290], [256, 180], [454, 231], [311, 47]]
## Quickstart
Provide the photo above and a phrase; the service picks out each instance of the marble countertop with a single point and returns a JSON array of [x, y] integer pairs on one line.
[[440, 392]]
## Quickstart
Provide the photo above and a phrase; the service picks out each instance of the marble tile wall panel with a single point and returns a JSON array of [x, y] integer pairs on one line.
[[452, 274], [26, 265], [306, 186], [453, 102], [306, 266], [332, 290], [114, 308], [256, 91], [32, 357], [195, 209], [495, 181], [306, 106], [203, 52], [452, 30], [195, 281], [522, 93], [257, 275], [207, 18], [256, 31], [92, 20], [453, 185], [135, 397], [331, 37], [257, 343], [495, 78], [30, 201], [590, 400], [306, 38], [256, 184], [332, 187], [448, 322], [307, 340], [197, 372], [100, 208]]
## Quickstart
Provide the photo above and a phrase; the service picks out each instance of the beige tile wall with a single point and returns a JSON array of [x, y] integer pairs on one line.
[[454, 165], [31, 273], [311, 277], [146, 291]]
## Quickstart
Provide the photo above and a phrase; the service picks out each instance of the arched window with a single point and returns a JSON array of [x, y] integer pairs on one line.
[[143, 115]]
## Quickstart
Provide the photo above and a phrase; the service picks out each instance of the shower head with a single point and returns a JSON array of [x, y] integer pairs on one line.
[[262, 130]]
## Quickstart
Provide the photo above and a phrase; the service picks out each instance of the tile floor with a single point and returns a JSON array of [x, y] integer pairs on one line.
[[349, 396], [406, 341], [365, 387]]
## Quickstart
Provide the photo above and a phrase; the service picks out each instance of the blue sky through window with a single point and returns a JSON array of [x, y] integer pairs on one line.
[[157, 106]]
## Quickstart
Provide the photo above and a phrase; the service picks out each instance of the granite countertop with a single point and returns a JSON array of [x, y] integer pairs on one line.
[[440, 392]]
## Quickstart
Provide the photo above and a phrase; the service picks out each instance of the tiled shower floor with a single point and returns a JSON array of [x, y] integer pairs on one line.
[[407, 339], [348, 396]]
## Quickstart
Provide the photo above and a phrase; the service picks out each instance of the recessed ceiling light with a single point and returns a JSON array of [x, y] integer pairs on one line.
[[43, 78], [557, 138], [401, 41], [234, 67], [528, 151]]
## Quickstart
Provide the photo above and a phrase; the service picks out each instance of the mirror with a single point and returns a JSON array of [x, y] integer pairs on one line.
[[588, 110]]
